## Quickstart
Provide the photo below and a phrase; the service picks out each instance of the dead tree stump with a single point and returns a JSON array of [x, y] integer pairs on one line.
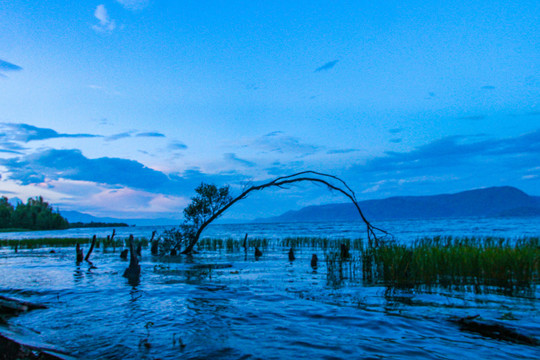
[[133, 272], [80, 255], [91, 248], [291, 255]]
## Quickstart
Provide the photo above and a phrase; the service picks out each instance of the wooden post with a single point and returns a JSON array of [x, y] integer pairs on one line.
[[112, 240], [91, 248], [133, 272], [80, 255]]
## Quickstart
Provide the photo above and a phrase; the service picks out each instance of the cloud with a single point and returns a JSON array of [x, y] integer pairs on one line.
[[232, 157], [396, 140], [150, 134], [278, 142], [457, 154], [10, 132], [106, 24], [133, 4], [473, 117], [395, 130], [128, 134], [341, 151], [72, 165], [177, 145], [488, 87], [119, 136], [329, 65], [7, 66]]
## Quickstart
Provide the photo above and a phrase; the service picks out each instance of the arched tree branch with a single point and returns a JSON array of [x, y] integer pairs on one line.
[[304, 176]]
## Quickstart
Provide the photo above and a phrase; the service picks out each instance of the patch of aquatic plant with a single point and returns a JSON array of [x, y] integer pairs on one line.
[[340, 267], [445, 261], [321, 243], [233, 245], [66, 242]]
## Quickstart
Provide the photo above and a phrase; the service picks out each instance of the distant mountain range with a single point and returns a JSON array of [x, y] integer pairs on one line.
[[502, 201], [76, 216]]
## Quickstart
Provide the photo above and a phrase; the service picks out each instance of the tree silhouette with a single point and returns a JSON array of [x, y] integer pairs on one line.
[[211, 202]]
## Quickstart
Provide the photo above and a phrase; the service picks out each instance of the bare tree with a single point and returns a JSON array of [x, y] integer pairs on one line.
[[209, 205]]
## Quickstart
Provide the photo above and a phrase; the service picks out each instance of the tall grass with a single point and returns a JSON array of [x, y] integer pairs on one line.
[[66, 242], [467, 261]]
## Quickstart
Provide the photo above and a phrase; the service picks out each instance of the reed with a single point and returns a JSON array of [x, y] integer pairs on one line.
[[66, 242], [467, 261]]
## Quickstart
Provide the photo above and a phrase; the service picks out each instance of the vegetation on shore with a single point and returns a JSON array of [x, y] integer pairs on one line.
[[93, 224], [36, 214]]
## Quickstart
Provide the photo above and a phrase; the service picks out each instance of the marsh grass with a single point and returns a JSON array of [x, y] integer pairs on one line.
[[471, 263], [477, 263], [317, 243], [67, 242]]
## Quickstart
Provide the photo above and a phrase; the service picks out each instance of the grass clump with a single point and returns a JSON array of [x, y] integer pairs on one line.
[[66, 242], [468, 261]]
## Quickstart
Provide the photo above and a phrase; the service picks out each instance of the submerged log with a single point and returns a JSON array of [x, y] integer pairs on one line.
[[133, 272], [14, 348], [494, 330], [91, 248], [124, 254], [258, 253], [9, 305]]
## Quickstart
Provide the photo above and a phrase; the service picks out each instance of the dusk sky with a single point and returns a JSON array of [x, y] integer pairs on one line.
[[121, 108]]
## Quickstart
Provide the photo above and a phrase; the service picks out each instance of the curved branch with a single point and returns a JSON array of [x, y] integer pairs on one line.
[[285, 180]]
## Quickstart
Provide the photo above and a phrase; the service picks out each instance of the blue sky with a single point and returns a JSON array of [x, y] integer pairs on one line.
[[120, 108]]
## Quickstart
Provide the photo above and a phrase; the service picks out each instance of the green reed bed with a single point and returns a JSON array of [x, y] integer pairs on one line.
[[237, 245], [67, 242], [232, 245], [497, 262], [321, 243]]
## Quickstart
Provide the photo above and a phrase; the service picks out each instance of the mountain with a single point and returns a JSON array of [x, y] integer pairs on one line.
[[488, 202], [76, 216]]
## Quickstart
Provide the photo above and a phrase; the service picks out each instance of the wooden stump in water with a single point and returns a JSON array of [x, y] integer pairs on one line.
[[154, 247], [124, 254], [291, 255], [314, 260], [345, 252], [91, 248], [80, 255], [133, 272], [258, 253]]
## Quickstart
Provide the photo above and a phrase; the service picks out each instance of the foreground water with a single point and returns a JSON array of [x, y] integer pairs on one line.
[[229, 306]]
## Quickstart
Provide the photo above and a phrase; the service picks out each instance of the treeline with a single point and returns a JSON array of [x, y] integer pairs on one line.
[[96, 225], [36, 214]]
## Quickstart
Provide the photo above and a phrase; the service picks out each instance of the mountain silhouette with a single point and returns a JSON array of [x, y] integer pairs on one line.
[[489, 202]]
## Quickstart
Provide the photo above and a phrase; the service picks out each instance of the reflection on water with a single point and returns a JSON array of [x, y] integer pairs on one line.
[[230, 306]]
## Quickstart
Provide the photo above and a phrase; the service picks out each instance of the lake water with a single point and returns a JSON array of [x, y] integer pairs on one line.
[[231, 306], [402, 230]]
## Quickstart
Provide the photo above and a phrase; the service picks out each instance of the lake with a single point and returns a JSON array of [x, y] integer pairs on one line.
[[224, 305]]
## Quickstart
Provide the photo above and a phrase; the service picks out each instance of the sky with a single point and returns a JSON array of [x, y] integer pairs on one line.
[[121, 108]]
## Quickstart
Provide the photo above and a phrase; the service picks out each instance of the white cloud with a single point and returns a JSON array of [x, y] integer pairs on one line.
[[133, 4], [106, 24]]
